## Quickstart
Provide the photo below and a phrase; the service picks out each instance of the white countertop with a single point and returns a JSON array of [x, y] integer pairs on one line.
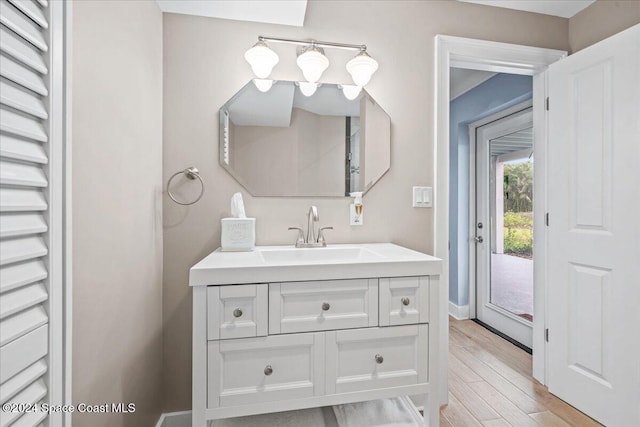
[[286, 264]]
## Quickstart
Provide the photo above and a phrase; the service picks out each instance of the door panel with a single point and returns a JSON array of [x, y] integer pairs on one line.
[[594, 200], [504, 277]]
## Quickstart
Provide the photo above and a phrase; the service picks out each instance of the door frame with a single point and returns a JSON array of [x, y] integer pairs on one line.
[[503, 58], [472, 192]]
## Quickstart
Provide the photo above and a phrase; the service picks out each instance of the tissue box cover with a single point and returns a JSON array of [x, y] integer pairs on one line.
[[238, 234]]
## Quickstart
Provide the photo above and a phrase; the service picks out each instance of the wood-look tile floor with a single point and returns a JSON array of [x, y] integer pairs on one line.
[[490, 384]]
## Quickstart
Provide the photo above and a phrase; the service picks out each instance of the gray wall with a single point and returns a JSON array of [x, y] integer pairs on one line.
[[600, 20], [117, 214], [204, 67]]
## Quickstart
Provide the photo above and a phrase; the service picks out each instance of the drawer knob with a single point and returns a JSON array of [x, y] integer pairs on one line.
[[237, 312], [268, 370], [325, 306], [379, 359], [405, 301]]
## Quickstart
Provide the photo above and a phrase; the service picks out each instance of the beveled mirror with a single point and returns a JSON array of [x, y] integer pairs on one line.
[[284, 143]]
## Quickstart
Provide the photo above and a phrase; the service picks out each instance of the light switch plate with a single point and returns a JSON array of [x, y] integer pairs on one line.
[[422, 197]]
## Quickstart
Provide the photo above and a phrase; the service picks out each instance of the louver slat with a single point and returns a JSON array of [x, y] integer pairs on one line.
[[22, 174], [32, 10], [21, 299], [31, 394], [22, 323], [12, 147], [17, 124], [12, 225], [17, 47], [14, 276], [16, 250], [31, 419], [21, 199], [26, 350], [22, 26], [18, 73], [17, 383], [22, 100]]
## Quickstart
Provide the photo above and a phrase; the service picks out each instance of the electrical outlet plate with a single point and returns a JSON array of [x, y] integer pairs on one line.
[[422, 197], [354, 218]]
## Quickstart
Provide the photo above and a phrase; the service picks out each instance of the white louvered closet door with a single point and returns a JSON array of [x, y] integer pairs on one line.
[[30, 210]]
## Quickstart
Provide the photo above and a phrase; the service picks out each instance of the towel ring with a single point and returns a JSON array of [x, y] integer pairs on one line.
[[191, 173]]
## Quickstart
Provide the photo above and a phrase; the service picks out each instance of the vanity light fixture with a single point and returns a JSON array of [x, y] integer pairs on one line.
[[351, 92], [262, 59], [263, 85], [311, 60], [362, 68], [308, 88]]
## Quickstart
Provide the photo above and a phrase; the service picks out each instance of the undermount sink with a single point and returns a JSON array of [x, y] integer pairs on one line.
[[329, 253]]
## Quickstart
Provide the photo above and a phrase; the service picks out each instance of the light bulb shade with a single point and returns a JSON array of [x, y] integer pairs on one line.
[[263, 85], [362, 68], [262, 59], [351, 92], [312, 62], [308, 88]]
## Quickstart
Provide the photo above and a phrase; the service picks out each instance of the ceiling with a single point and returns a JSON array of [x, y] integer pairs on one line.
[[561, 8], [284, 12], [517, 141], [463, 80], [292, 12]]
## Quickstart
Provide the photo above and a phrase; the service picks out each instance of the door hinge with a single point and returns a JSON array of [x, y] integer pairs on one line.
[[546, 335], [547, 103], [546, 219]]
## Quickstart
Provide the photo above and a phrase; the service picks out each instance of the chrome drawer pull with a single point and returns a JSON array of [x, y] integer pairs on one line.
[[237, 312], [405, 301], [268, 370], [325, 306], [379, 359]]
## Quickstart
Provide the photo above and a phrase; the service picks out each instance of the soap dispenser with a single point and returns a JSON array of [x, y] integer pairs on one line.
[[356, 216]]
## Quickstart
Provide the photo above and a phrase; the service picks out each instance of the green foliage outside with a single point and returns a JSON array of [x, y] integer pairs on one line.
[[518, 207], [518, 187], [518, 234]]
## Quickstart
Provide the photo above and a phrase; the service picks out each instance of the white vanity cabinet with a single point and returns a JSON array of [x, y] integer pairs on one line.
[[278, 345]]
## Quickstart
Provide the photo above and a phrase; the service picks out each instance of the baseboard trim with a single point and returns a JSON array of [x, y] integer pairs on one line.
[[459, 312], [175, 419]]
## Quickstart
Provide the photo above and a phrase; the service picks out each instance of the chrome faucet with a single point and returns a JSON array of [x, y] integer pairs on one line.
[[312, 218], [311, 241]]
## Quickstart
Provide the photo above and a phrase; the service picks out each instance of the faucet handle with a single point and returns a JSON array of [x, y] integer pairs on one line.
[[300, 235], [321, 239]]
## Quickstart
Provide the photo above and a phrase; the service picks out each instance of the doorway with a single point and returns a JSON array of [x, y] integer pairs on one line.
[[498, 58], [503, 225]]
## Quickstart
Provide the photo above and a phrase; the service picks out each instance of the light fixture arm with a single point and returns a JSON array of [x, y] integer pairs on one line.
[[360, 47]]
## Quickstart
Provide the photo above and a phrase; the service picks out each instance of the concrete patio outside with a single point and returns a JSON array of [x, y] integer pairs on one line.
[[512, 284]]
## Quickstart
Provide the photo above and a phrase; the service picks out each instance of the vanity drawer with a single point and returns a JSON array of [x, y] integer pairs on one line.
[[322, 305], [365, 359], [404, 300], [264, 369], [237, 311]]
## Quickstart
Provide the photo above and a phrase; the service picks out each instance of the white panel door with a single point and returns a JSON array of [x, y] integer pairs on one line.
[[594, 229]]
